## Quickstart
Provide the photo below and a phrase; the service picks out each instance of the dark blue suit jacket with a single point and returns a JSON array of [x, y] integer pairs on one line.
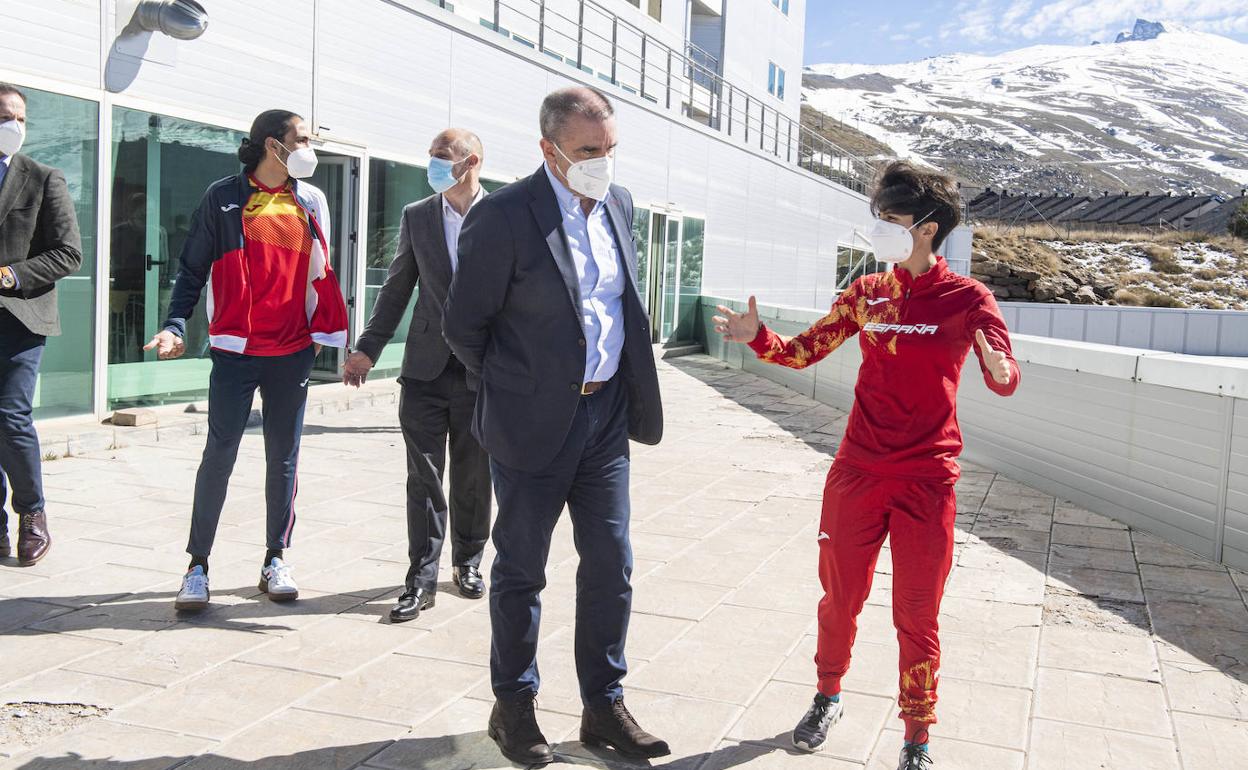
[[513, 317]]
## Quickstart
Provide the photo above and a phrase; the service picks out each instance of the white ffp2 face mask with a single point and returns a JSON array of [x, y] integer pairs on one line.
[[591, 178], [12, 135], [300, 163], [891, 242]]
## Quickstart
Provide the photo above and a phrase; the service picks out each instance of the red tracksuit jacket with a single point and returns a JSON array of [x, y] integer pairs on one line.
[[215, 255], [915, 334]]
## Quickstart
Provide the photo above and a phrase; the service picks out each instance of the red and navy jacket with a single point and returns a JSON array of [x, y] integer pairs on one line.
[[214, 256], [914, 334]]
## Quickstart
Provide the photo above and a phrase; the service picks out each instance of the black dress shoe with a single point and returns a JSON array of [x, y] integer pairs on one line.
[[468, 578], [410, 604], [613, 726], [513, 726]]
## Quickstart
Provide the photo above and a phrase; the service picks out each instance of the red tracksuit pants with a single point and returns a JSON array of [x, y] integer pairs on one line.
[[918, 517]]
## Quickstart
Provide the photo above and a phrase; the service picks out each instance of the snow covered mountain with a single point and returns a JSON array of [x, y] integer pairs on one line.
[[1163, 109]]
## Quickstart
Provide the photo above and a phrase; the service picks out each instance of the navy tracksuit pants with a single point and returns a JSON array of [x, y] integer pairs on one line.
[[283, 385]]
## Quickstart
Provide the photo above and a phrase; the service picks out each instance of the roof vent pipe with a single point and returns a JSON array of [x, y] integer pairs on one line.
[[179, 19]]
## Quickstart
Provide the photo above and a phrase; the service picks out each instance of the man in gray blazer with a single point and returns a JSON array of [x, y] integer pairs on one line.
[[438, 394], [39, 245]]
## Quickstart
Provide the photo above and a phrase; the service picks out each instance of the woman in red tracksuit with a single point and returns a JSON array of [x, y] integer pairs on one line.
[[894, 473]]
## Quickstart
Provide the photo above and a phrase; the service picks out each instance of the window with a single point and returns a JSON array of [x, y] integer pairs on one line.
[[853, 263], [775, 81], [391, 186], [64, 134], [783, 5], [161, 168], [641, 239], [655, 7], [691, 248]]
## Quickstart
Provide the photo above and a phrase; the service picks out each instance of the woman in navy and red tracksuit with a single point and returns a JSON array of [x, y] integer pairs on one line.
[[895, 471], [259, 244]]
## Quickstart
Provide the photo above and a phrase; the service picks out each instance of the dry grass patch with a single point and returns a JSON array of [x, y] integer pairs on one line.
[[1017, 251], [1226, 243]]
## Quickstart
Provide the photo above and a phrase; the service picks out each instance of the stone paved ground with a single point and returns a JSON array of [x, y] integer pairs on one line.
[[1070, 641]]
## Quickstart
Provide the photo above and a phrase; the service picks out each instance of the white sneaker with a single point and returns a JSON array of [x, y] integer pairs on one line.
[[194, 594], [276, 581]]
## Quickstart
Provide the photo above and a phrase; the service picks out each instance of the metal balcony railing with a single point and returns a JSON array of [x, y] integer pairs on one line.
[[585, 36]]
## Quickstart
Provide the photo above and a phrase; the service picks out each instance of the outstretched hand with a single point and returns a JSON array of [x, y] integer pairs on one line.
[[738, 327], [994, 360], [167, 345]]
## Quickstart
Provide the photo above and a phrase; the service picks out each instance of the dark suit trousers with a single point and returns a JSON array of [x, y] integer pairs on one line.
[[20, 457], [428, 413], [590, 474]]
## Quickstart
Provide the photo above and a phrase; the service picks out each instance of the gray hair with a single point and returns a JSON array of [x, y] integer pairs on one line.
[[564, 103], [9, 88]]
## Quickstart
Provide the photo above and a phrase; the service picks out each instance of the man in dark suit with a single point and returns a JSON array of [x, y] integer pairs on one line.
[[437, 397], [39, 245], [545, 308]]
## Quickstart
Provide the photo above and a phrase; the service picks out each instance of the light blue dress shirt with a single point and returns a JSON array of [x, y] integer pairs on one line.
[[596, 255]]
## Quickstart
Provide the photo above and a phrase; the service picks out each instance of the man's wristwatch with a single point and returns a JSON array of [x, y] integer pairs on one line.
[[7, 279]]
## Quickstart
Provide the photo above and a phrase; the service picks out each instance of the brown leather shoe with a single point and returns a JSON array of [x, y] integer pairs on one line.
[[33, 540], [513, 726], [613, 726], [6, 548]]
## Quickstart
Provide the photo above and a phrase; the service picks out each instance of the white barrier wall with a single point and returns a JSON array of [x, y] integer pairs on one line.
[[1175, 330], [1158, 441]]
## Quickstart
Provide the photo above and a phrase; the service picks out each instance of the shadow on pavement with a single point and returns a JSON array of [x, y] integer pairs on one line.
[[464, 751], [1192, 606]]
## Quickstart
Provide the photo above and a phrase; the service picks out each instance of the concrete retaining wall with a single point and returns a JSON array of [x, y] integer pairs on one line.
[[1156, 440]]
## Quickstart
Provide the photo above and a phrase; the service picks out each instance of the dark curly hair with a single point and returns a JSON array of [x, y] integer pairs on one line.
[[270, 123], [904, 189]]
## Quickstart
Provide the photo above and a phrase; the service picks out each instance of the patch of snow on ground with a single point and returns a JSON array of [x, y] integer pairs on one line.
[[1128, 262]]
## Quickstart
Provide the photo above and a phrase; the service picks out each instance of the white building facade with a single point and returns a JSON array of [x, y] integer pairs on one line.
[[733, 197]]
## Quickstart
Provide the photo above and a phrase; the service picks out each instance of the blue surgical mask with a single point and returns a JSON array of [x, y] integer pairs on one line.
[[442, 174]]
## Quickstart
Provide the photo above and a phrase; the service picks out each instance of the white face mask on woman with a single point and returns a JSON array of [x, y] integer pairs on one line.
[[892, 242], [300, 163], [591, 178]]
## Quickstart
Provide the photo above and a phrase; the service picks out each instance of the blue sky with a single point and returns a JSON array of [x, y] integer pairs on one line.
[[906, 30]]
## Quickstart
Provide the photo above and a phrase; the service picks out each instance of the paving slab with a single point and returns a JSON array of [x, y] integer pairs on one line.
[[1069, 640]]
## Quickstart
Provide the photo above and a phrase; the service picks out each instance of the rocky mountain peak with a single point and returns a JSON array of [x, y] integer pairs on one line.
[[1144, 30]]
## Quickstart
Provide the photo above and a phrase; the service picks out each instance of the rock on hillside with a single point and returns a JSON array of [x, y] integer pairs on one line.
[[1121, 270]]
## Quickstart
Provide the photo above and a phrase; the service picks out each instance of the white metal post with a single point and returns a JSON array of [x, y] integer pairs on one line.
[[103, 245], [360, 250]]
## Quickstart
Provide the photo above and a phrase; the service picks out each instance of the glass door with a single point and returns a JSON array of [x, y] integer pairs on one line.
[[337, 176], [663, 275], [671, 278], [657, 248], [161, 167]]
